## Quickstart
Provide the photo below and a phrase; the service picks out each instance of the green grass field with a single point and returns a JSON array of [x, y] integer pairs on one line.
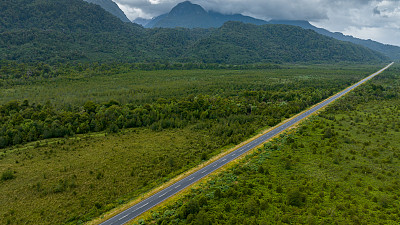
[[72, 179], [140, 87], [340, 167], [79, 177]]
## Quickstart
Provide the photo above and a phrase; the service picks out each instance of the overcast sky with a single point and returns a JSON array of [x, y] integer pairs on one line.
[[368, 19]]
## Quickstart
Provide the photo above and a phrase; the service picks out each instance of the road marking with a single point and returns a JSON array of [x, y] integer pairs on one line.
[[223, 160], [273, 132], [143, 206], [162, 195], [177, 186], [123, 216]]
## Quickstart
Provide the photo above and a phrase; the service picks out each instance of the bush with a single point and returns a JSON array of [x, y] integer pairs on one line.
[[113, 128], [7, 175], [296, 198]]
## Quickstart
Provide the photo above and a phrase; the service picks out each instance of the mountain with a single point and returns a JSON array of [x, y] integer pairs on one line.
[[55, 31], [57, 15], [59, 31], [391, 51], [240, 43], [190, 15], [110, 7]]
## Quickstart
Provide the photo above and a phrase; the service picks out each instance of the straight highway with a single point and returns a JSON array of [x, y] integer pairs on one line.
[[173, 189]]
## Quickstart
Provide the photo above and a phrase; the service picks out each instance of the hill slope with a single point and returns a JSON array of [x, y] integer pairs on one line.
[[56, 31], [190, 15], [236, 42], [111, 7], [389, 50], [59, 31]]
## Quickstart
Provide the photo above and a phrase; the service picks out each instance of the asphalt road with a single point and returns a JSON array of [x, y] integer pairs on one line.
[[166, 193]]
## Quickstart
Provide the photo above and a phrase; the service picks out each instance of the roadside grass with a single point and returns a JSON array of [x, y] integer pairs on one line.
[[355, 181], [340, 167], [244, 158], [76, 179]]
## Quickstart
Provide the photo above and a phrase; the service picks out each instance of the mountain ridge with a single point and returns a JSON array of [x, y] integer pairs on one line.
[[111, 7], [212, 19], [189, 15], [275, 43], [391, 51], [56, 31]]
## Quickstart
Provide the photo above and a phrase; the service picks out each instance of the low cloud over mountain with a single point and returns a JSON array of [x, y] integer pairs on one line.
[[374, 19]]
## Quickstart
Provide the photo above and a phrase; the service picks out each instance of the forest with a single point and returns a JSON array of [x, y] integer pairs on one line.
[[104, 146], [75, 31], [242, 105], [339, 167]]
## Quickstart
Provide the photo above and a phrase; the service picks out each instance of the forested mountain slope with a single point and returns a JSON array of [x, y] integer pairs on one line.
[[190, 15], [111, 7], [389, 50], [58, 31], [55, 31], [245, 43]]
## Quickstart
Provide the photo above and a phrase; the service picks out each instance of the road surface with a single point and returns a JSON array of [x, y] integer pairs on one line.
[[166, 193]]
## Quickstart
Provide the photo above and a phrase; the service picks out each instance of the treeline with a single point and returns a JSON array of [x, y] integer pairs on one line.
[[14, 70], [232, 117], [343, 162]]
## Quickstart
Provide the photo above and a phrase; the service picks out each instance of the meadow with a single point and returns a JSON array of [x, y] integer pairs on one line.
[[339, 167], [37, 108], [82, 145], [125, 85]]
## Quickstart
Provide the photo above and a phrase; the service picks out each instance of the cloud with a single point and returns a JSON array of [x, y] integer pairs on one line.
[[146, 8], [272, 9], [375, 33], [376, 19]]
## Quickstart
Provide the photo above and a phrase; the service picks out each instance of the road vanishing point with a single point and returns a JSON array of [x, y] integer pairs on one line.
[[148, 203]]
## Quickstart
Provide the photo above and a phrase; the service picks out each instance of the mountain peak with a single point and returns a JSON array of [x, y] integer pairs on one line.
[[189, 15], [187, 8], [111, 7]]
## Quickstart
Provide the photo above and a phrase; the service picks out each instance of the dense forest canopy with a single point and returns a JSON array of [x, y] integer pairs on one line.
[[58, 31]]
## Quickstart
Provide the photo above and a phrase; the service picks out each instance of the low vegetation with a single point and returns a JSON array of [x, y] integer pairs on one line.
[[340, 167], [229, 103], [108, 152], [73, 180]]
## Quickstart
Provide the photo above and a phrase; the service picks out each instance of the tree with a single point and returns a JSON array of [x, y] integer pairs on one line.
[[296, 198]]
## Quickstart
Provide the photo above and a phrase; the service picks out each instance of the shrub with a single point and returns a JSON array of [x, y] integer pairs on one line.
[[7, 175], [296, 198]]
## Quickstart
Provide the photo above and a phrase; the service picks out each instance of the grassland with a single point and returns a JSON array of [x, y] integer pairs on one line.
[[69, 179], [340, 167], [79, 177], [140, 87]]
